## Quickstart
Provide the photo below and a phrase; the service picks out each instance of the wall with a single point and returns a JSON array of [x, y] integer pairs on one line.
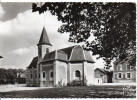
[[60, 73], [100, 75], [31, 81], [46, 82], [89, 72], [124, 79], [123, 71], [98, 80], [73, 68]]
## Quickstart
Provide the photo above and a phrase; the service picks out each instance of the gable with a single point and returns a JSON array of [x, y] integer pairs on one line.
[[98, 73]]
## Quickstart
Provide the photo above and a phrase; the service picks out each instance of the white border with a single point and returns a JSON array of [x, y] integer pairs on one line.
[[68, 1]]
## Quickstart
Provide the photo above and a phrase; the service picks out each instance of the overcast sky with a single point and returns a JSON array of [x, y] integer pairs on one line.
[[20, 30]]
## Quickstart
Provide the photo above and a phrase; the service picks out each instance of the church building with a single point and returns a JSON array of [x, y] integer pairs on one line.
[[59, 67]]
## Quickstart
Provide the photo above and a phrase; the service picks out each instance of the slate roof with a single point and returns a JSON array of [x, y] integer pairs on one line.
[[105, 71], [55, 55], [77, 54], [100, 70], [44, 38], [88, 56], [61, 55], [50, 56], [33, 63], [72, 54], [67, 51]]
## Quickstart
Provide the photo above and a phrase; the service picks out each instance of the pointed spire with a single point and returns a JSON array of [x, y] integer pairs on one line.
[[44, 38]]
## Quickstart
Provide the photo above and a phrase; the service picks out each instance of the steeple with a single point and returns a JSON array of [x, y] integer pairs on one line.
[[44, 40], [44, 45]]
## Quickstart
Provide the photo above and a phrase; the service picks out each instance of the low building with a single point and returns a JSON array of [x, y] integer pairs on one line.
[[21, 78], [124, 72], [102, 75]]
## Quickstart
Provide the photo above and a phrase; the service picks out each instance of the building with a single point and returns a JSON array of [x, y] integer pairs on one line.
[[59, 67], [124, 72], [21, 77], [102, 75]]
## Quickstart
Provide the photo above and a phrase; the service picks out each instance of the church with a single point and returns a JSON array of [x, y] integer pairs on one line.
[[59, 67]]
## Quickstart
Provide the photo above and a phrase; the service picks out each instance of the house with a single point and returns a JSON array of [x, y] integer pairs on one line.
[[59, 67], [124, 72], [102, 75], [21, 78]]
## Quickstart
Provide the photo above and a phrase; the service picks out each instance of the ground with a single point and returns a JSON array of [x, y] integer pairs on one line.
[[99, 91]]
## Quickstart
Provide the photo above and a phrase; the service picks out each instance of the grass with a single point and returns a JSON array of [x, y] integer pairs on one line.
[[75, 92]]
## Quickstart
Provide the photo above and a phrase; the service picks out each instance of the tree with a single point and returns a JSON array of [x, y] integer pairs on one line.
[[112, 24]]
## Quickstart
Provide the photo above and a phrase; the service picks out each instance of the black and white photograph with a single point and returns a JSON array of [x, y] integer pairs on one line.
[[68, 50]]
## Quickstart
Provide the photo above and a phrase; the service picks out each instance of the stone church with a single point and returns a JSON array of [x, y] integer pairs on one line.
[[59, 67]]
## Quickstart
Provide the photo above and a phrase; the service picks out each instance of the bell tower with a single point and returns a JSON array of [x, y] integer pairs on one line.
[[44, 45]]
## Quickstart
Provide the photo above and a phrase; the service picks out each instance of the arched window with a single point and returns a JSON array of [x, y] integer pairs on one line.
[[51, 74], [44, 74], [77, 73]]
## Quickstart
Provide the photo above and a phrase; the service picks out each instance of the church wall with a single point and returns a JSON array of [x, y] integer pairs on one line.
[[31, 77], [89, 73], [47, 81], [73, 68], [61, 73]]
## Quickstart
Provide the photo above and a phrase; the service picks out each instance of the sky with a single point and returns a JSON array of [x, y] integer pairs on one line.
[[20, 30]]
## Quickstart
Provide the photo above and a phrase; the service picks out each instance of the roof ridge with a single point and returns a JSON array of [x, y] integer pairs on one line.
[[68, 47]]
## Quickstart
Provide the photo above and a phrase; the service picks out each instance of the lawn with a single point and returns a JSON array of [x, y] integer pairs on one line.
[[75, 92]]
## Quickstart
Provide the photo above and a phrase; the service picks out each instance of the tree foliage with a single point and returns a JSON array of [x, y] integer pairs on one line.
[[8, 76], [112, 24]]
